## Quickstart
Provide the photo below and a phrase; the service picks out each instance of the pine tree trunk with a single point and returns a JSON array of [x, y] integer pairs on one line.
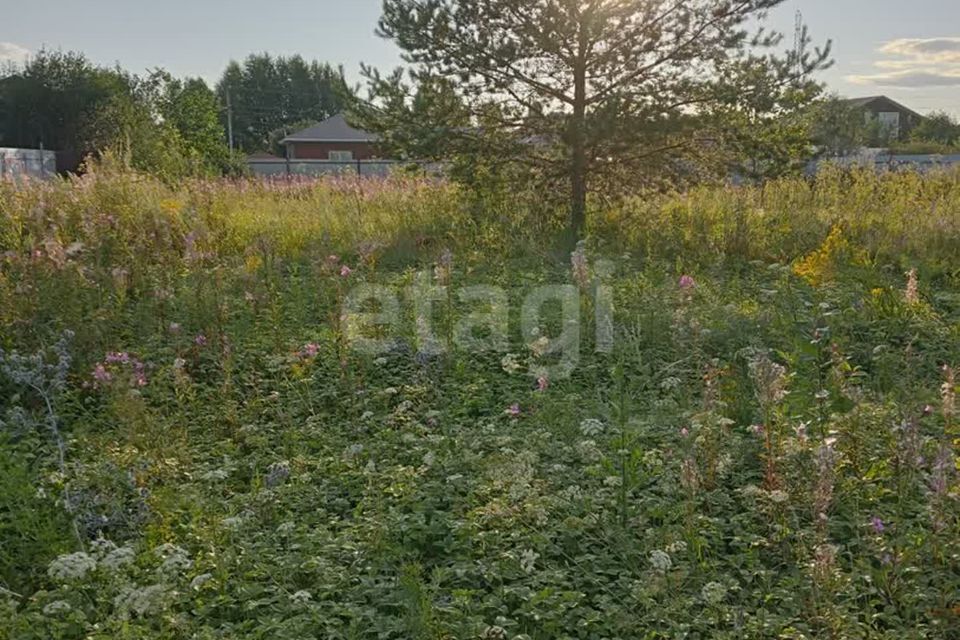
[[578, 157]]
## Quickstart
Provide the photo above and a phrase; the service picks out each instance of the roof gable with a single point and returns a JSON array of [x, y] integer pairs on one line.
[[333, 129], [872, 100]]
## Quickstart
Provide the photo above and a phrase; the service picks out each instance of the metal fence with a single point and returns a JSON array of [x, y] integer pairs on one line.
[[885, 161], [281, 167], [17, 164]]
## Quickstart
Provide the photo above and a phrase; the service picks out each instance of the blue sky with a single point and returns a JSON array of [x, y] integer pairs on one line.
[[907, 50]]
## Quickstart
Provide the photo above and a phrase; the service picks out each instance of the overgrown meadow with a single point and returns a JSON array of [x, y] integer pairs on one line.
[[191, 447]]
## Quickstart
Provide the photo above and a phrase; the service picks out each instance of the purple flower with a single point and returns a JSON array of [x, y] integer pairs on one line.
[[310, 350], [877, 524], [687, 282], [513, 410], [200, 340], [101, 375]]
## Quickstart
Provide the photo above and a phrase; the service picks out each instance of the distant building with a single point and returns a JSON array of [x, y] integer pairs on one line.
[[17, 164], [892, 116], [333, 140]]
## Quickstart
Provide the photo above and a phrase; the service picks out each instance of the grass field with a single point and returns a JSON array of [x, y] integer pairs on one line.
[[763, 447]]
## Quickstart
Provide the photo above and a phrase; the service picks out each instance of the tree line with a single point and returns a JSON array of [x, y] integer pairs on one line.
[[160, 124]]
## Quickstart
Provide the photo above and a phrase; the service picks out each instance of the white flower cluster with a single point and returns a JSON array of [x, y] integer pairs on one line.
[[72, 566], [111, 557], [660, 560], [142, 600], [713, 593], [175, 559], [528, 560], [510, 363]]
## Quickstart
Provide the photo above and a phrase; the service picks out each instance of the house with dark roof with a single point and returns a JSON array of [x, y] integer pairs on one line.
[[333, 139], [892, 116]]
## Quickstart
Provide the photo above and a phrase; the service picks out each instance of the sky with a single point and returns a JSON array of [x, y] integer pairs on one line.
[[909, 51]]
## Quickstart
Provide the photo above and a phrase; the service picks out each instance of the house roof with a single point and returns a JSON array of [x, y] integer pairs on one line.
[[333, 129], [868, 100]]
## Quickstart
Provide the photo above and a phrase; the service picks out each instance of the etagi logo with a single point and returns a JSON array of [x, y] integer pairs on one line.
[[371, 319]]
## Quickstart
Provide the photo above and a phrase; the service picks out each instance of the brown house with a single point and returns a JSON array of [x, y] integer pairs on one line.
[[332, 139], [897, 119]]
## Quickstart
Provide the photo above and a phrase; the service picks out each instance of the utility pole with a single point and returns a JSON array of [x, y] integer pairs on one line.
[[229, 120]]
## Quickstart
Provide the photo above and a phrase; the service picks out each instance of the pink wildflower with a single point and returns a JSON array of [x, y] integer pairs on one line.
[[542, 383], [345, 271], [310, 350], [101, 375], [200, 340], [687, 282], [684, 432]]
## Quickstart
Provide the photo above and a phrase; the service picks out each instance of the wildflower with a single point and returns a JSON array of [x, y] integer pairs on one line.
[[677, 547], [200, 340], [119, 557], [877, 524], [527, 560], [142, 600], [301, 597], [824, 559], [778, 496], [509, 363], [948, 393], [660, 560], [174, 327], [769, 379], [101, 375], [756, 429], [542, 383], [687, 283], [345, 271], [56, 608], [684, 432], [910, 294], [580, 266], [444, 268], [277, 474], [72, 566], [310, 350], [513, 410], [175, 559], [117, 357], [540, 346], [713, 593]]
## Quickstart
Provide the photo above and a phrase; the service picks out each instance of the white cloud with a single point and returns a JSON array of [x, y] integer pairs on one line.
[[925, 51], [911, 78], [10, 52], [916, 63]]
